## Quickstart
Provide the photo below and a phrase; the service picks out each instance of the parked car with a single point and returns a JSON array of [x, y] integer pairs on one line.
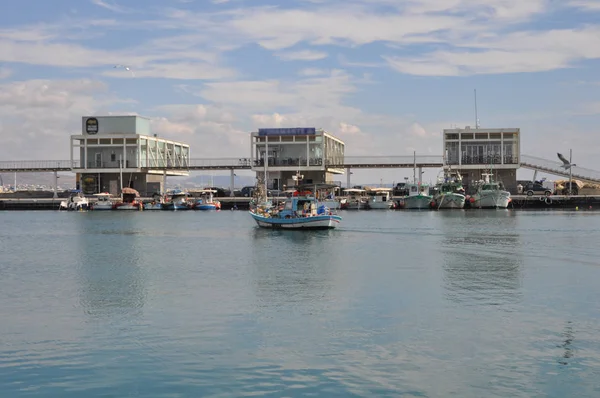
[[247, 191], [536, 188]]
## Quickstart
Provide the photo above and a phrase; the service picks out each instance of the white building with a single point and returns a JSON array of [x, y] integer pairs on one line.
[[473, 151], [111, 146], [314, 153]]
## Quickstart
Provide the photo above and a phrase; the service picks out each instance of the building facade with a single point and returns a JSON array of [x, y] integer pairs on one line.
[[283, 152], [477, 151], [120, 151]]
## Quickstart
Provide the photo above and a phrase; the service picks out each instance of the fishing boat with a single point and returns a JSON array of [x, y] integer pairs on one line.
[[324, 192], [76, 201], [103, 201], [489, 194], [356, 199], [451, 194], [380, 198], [207, 201], [297, 212], [129, 200], [418, 197], [177, 200], [156, 203]]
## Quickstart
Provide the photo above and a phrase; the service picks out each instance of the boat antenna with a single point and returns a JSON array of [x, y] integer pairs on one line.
[[476, 118]]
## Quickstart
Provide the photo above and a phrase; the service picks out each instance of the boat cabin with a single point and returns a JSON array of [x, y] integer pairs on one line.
[[301, 206], [103, 197], [379, 194], [418, 189], [129, 195]]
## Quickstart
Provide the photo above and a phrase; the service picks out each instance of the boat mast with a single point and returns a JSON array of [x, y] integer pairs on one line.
[[414, 167], [121, 171]]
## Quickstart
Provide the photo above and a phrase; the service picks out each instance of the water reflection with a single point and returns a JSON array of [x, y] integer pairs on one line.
[[109, 257], [568, 335], [482, 262], [291, 267]]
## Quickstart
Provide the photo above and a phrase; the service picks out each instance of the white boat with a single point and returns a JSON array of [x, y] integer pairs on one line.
[[490, 195], [356, 199], [297, 212], [76, 201], [451, 193], [103, 201], [380, 198], [418, 197]]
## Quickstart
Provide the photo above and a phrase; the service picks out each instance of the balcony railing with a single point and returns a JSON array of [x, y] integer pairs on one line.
[[485, 159]]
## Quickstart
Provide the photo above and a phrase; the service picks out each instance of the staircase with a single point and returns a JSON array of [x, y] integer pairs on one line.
[[553, 167]]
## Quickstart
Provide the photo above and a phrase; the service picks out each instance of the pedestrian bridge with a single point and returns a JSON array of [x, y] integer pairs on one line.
[[348, 162]]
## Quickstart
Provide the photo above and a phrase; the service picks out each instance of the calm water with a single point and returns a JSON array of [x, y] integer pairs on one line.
[[415, 304]]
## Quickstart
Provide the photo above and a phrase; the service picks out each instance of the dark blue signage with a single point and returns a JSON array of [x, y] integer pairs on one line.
[[288, 131]]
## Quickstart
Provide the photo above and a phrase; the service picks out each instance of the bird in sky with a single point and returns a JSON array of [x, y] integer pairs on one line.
[[566, 164], [127, 68]]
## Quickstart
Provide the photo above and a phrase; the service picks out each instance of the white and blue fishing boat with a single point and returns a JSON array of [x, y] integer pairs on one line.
[[297, 212], [156, 203], [207, 201], [177, 200]]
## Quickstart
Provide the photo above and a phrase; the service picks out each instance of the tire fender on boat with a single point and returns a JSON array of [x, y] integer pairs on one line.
[[548, 201]]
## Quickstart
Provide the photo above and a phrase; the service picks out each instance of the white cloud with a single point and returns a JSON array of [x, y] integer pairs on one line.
[[112, 7], [303, 55], [39, 115], [587, 5]]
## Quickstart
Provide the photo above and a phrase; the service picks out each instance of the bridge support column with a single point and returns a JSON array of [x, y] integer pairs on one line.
[[55, 184], [231, 182], [535, 175], [348, 173], [420, 175], [164, 182]]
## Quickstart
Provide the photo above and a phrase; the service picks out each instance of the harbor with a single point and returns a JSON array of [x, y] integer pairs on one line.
[[120, 164]]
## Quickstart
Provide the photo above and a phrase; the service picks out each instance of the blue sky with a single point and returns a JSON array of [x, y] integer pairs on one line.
[[386, 76]]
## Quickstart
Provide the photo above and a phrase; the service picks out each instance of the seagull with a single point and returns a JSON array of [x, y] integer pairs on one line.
[[566, 164], [127, 68]]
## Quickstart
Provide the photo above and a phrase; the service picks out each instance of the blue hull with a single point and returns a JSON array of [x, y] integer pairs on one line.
[[206, 207], [315, 222]]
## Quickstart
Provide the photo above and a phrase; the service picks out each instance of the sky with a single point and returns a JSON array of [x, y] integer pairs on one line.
[[385, 76]]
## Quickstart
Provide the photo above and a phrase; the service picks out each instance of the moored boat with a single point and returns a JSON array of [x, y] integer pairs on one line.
[[129, 200], [207, 201], [177, 200], [418, 197], [356, 199], [451, 194], [380, 198], [103, 201], [490, 194], [76, 201]]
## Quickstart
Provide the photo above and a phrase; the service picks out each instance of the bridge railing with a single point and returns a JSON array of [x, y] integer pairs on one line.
[[37, 164], [391, 160], [554, 166]]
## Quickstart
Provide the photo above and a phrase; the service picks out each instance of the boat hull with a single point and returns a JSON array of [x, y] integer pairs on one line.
[[417, 202], [102, 206], [450, 201], [314, 222], [205, 206], [491, 200], [381, 205], [127, 206], [155, 206]]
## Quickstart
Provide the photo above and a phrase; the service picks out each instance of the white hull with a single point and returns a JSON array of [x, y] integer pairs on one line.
[[417, 202], [491, 200], [356, 206], [318, 224], [128, 207], [150, 206], [450, 201], [381, 205], [103, 206]]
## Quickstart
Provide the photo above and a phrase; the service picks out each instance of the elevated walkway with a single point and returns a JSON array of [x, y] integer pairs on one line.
[[554, 168]]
